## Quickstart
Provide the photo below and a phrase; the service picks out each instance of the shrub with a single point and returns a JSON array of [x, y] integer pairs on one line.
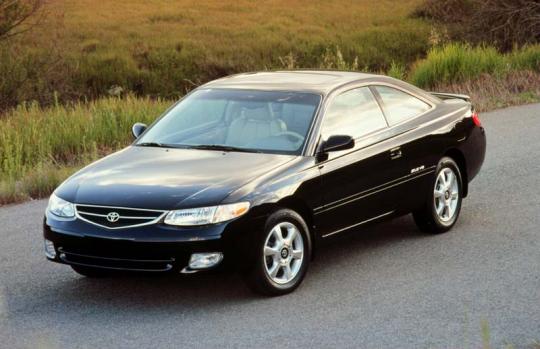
[[457, 62], [527, 58], [502, 23]]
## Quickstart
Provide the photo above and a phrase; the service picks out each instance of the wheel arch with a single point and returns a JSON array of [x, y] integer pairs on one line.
[[299, 206], [460, 160]]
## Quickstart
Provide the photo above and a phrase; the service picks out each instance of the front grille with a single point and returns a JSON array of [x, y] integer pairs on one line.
[[118, 217], [78, 258]]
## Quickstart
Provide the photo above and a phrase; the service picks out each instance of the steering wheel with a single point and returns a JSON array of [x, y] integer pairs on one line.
[[290, 134]]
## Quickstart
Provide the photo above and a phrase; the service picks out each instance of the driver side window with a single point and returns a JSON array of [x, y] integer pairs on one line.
[[354, 113]]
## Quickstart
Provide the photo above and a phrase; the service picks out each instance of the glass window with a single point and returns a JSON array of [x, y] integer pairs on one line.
[[354, 113], [399, 106], [249, 120]]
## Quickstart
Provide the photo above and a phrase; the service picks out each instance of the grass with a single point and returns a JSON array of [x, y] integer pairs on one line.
[[40, 147], [461, 62], [150, 52], [162, 48]]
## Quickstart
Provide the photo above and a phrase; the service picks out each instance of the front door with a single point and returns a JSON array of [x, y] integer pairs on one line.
[[359, 185]]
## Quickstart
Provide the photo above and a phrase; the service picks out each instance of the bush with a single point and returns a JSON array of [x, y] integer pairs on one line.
[[502, 23], [457, 62], [527, 58]]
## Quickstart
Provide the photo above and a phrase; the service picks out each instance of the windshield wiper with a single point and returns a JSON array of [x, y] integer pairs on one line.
[[154, 144], [222, 147]]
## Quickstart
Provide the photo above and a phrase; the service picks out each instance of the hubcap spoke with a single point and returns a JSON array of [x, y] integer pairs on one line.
[[274, 270], [297, 254], [269, 251], [287, 272], [449, 210], [450, 181], [291, 235]]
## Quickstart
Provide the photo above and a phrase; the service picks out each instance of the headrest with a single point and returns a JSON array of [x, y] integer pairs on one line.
[[258, 112]]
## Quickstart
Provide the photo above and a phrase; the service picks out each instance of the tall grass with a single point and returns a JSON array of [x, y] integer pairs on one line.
[[38, 146], [41, 146], [461, 62]]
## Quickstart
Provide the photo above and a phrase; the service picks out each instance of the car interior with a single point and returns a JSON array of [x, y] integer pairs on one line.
[[259, 125]]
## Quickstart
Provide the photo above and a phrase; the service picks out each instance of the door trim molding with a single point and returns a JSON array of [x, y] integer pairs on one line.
[[357, 224], [374, 190]]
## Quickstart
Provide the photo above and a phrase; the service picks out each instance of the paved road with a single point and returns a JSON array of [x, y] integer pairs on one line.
[[390, 287]]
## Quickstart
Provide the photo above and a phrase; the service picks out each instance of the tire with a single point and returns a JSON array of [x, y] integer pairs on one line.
[[90, 272], [279, 264], [446, 194]]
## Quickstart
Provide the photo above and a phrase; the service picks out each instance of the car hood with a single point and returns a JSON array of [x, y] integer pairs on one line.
[[160, 178]]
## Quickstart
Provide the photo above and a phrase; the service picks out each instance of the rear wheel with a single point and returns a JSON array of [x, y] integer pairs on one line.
[[443, 205], [282, 255], [90, 272]]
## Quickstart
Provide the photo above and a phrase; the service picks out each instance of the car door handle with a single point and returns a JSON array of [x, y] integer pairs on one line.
[[395, 153]]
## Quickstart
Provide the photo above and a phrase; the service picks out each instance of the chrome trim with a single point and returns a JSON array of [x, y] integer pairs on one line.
[[105, 216], [120, 207], [374, 190], [357, 224], [154, 221]]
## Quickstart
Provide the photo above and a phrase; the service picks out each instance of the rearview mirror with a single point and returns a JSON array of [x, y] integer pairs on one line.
[[138, 129], [336, 143]]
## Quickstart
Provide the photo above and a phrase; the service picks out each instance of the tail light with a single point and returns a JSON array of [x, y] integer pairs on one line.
[[476, 119]]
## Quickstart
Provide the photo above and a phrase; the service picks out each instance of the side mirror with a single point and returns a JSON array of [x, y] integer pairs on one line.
[[336, 143], [137, 129]]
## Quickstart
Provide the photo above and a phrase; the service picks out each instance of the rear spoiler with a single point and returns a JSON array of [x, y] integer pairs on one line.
[[451, 96]]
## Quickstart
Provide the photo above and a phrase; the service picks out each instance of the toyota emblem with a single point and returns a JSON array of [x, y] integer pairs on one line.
[[113, 217]]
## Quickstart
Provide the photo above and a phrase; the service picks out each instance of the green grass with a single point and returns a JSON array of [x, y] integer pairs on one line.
[[461, 62], [40, 147]]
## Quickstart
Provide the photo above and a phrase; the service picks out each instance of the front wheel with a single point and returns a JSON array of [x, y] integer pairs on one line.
[[441, 210], [282, 255]]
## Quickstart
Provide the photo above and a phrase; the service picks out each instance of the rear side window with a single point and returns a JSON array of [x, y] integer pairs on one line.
[[353, 113], [399, 106]]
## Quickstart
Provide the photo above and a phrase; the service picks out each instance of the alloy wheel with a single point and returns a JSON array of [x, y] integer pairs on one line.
[[446, 195], [283, 252]]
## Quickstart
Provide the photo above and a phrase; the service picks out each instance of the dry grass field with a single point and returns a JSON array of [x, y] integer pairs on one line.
[[162, 48]]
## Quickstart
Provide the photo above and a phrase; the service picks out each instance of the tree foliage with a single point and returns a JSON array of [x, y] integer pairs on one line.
[[18, 16], [503, 23]]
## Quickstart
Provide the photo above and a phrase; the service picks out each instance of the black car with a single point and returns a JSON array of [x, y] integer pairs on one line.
[[257, 170]]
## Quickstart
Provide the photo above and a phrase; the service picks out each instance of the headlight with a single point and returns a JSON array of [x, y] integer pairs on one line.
[[61, 207], [206, 215]]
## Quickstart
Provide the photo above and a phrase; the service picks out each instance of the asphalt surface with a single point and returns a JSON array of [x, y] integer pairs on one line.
[[388, 287]]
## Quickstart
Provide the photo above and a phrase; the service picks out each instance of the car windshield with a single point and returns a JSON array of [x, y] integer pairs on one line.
[[236, 120]]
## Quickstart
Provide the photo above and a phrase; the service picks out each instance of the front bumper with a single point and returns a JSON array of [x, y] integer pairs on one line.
[[152, 248]]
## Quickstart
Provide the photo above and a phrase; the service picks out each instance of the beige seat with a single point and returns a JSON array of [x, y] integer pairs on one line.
[[253, 124]]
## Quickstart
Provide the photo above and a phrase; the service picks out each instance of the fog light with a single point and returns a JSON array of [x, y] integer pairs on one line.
[[49, 249], [205, 260]]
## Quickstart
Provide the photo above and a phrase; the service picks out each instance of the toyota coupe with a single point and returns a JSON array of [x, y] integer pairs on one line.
[[256, 171]]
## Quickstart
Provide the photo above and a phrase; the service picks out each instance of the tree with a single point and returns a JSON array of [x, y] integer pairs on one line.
[[18, 16], [503, 23]]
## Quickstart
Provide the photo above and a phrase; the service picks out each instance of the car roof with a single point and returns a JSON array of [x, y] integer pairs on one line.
[[320, 81]]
